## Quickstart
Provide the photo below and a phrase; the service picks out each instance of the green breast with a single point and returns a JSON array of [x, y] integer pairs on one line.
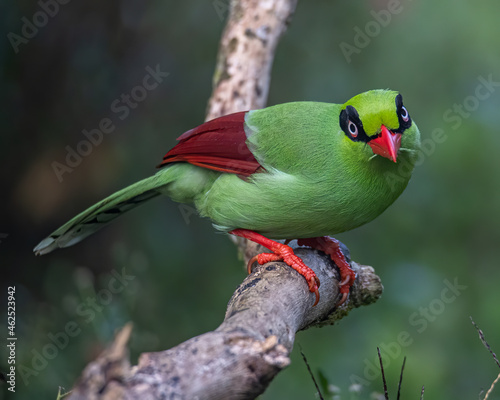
[[314, 184]]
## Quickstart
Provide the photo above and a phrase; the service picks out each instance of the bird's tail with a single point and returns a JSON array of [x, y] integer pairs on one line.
[[100, 214]]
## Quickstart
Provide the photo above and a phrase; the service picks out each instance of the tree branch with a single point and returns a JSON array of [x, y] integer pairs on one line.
[[249, 348], [246, 54], [252, 345]]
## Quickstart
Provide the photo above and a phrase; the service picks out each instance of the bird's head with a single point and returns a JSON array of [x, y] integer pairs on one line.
[[379, 119]]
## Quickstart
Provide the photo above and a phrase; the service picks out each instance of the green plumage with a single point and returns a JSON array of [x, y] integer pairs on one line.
[[316, 180]]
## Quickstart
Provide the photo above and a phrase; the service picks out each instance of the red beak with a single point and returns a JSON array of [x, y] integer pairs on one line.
[[387, 144]]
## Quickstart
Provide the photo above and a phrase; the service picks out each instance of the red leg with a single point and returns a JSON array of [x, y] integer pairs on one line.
[[280, 252], [331, 247]]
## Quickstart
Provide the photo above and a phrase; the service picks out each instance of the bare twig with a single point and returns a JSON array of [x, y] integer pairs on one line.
[[485, 343], [490, 390], [401, 378], [386, 394], [318, 390]]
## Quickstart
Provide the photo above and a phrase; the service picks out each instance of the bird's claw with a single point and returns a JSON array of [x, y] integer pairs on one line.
[[313, 283], [251, 263], [345, 286], [342, 300], [345, 281], [293, 261], [325, 244], [332, 247], [262, 258], [316, 292]]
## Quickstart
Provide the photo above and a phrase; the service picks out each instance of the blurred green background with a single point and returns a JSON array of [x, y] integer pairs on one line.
[[442, 232]]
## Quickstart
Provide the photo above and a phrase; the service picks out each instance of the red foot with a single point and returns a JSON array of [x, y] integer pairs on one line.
[[331, 247], [280, 252]]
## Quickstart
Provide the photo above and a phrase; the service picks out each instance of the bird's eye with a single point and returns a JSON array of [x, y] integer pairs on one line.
[[404, 114], [353, 129]]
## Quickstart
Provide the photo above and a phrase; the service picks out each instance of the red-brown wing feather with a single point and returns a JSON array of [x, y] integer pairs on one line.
[[218, 144]]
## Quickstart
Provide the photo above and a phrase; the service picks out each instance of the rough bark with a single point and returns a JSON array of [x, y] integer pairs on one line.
[[252, 345], [249, 348], [246, 54]]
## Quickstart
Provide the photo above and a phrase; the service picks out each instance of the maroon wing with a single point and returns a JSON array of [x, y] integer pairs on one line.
[[218, 144]]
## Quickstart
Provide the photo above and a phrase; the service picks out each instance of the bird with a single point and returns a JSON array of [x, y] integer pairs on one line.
[[301, 170]]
